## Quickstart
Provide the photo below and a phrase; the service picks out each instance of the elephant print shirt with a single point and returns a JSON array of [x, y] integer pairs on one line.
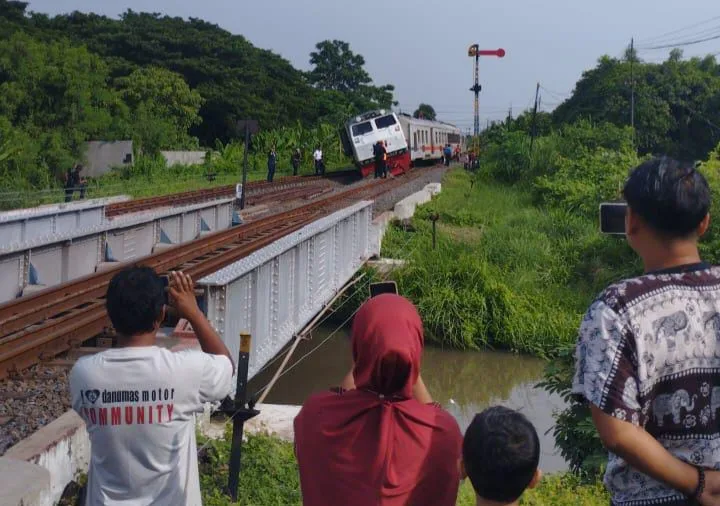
[[649, 353]]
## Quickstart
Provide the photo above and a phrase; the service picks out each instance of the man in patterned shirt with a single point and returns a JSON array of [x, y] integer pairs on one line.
[[648, 356]]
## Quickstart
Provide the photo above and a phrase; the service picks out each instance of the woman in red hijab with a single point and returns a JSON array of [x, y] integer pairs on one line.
[[376, 445]]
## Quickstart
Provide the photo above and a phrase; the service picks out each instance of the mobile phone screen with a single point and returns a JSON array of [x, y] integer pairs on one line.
[[612, 218], [165, 282], [384, 287]]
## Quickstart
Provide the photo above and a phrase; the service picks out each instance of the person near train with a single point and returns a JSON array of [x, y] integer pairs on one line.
[[271, 164], [648, 354], [139, 400], [379, 439], [295, 160], [319, 163], [447, 153], [501, 456], [74, 182], [380, 154]]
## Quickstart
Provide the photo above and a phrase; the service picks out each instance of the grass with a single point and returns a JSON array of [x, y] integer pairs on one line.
[[505, 273], [269, 476], [158, 182]]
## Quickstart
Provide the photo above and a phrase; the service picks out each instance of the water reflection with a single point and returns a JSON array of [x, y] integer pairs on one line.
[[463, 382]]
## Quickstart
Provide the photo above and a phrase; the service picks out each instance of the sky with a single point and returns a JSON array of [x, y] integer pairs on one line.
[[420, 46]]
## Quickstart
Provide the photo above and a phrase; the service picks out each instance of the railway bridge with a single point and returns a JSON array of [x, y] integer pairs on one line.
[[269, 276]]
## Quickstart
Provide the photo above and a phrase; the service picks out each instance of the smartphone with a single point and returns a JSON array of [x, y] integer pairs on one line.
[[383, 287], [612, 218], [165, 280]]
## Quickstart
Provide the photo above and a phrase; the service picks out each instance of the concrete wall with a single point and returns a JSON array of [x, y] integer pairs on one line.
[[183, 157], [101, 156]]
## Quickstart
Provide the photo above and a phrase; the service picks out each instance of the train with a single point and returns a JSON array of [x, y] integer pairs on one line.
[[408, 140]]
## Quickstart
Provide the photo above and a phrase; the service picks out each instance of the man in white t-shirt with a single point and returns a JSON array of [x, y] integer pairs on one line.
[[138, 400], [319, 165]]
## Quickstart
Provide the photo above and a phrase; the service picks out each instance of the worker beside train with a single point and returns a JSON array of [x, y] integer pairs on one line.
[[380, 154]]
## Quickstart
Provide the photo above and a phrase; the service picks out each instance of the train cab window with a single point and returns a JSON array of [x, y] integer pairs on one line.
[[385, 121], [362, 128]]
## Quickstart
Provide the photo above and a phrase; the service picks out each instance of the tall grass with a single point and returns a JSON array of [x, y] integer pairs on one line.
[[505, 273]]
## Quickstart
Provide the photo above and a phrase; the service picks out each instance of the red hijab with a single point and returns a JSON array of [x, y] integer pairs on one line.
[[377, 445]]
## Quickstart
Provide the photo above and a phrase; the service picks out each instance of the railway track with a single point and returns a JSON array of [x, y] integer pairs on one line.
[[256, 191], [40, 326]]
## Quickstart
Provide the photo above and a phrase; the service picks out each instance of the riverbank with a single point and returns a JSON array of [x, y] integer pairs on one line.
[[269, 476], [505, 273]]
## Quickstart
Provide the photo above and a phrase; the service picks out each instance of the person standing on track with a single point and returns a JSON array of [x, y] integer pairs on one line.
[[139, 400], [380, 154], [448, 154], [271, 163], [319, 164], [295, 160]]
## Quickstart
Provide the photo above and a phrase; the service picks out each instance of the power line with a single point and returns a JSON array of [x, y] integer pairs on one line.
[[659, 38], [682, 44]]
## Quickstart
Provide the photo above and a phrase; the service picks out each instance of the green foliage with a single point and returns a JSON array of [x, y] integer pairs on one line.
[[505, 273], [163, 109], [269, 476], [554, 490], [337, 68], [269, 473], [425, 111], [676, 102]]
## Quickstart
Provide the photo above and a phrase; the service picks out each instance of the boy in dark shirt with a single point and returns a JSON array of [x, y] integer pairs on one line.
[[501, 453]]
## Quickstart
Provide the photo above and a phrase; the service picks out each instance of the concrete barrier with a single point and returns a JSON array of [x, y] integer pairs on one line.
[[23, 483], [62, 448], [405, 209]]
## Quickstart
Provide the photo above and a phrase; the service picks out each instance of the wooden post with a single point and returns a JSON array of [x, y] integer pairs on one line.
[[240, 414]]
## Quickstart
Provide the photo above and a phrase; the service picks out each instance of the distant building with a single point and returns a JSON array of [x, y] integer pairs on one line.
[[183, 157], [102, 156]]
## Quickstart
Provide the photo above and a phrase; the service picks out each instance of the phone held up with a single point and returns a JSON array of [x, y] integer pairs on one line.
[[383, 287], [165, 280], [612, 218]]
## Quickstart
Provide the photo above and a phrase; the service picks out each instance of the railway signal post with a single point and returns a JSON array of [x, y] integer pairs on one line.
[[476, 52]]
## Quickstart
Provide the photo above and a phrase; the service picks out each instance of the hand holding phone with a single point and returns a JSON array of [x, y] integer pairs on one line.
[[182, 295]]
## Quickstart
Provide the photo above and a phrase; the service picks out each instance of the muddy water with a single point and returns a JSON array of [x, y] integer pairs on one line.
[[463, 382]]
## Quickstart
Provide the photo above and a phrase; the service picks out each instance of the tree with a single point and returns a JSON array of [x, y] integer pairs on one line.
[[163, 106], [676, 103], [337, 67], [425, 111]]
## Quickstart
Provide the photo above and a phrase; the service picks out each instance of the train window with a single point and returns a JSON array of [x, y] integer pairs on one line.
[[385, 121], [362, 128], [415, 141]]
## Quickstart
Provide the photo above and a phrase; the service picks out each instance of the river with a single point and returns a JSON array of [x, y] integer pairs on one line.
[[463, 382]]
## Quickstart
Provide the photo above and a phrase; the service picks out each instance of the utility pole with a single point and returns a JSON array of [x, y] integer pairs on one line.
[[533, 129], [476, 52]]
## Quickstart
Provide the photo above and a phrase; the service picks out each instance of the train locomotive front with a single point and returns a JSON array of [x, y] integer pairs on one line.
[[362, 132]]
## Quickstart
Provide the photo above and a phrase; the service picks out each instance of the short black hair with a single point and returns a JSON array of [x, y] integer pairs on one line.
[[134, 300], [501, 453], [670, 195]]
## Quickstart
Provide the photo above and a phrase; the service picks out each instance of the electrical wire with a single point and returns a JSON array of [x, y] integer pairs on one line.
[[685, 43], [658, 38]]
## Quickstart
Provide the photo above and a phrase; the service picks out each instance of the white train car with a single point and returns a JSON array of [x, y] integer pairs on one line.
[[426, 139], [362, 132]]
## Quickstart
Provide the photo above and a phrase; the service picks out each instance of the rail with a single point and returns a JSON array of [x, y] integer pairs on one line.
[[45, 324]]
